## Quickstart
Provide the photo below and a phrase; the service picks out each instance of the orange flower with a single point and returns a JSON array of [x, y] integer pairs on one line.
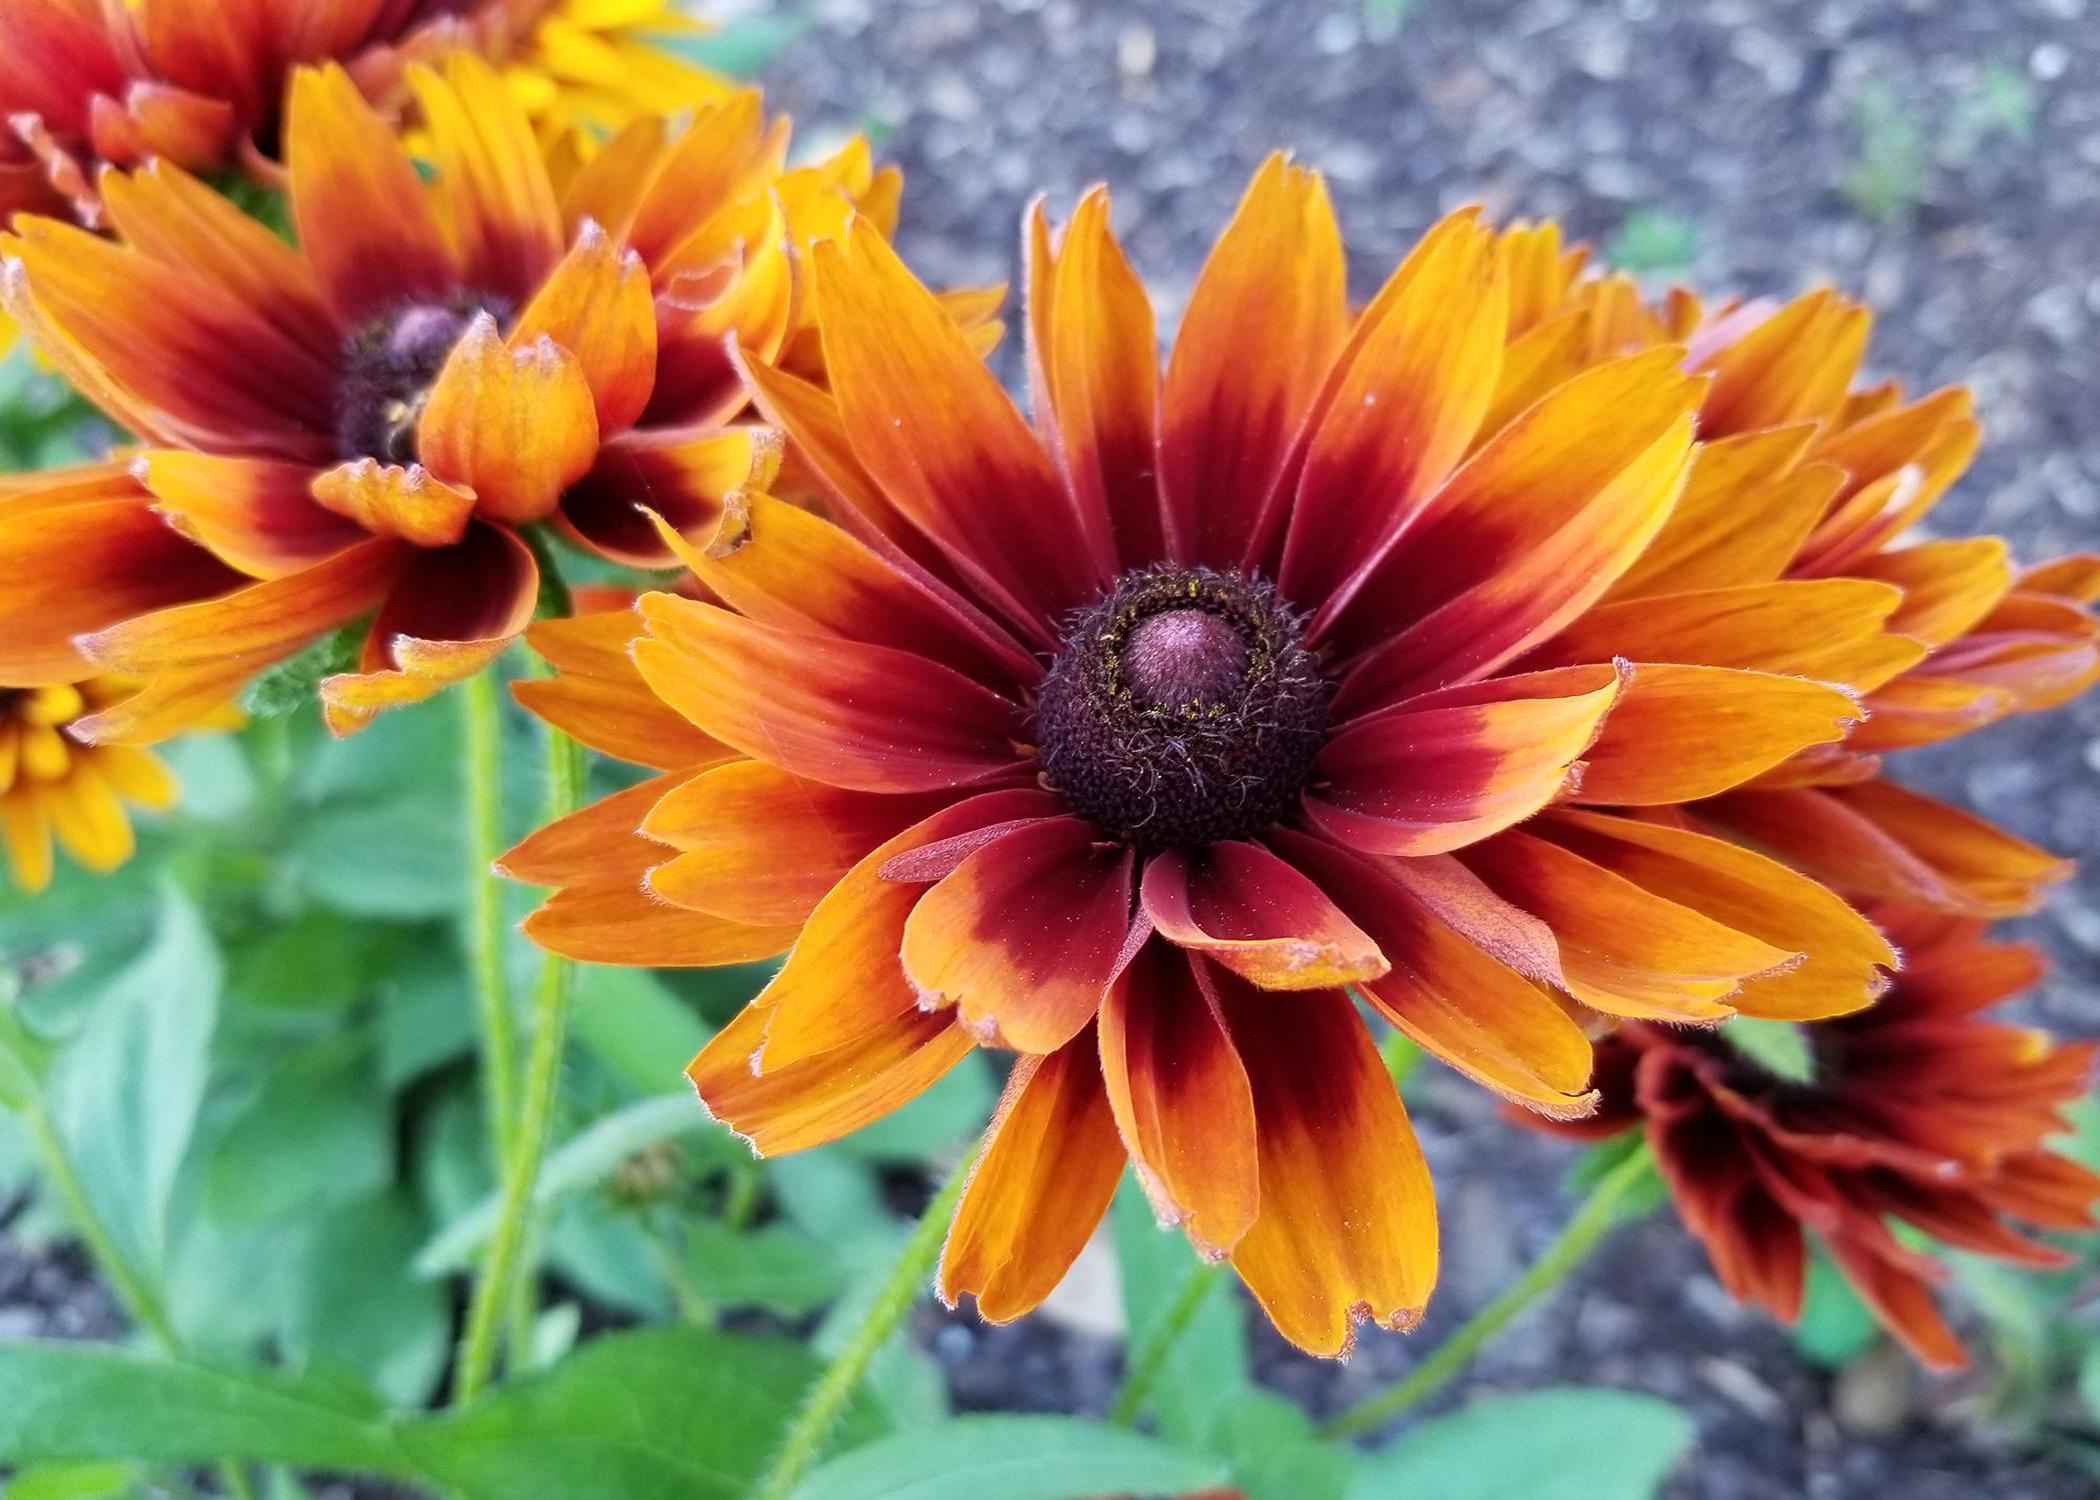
[[54, 783], [200, 83], [1917, 1110], [377, 421], [1081, 740], [1788, 552]]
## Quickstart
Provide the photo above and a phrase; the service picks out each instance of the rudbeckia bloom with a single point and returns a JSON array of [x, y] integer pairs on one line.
[[1087, 739], [1919, 1111], [201, 83], [1801, 502], [372, 424], [52, 783]]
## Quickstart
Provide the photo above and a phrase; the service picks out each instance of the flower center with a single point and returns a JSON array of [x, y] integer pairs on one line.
[[388, 368], [1183, 708]]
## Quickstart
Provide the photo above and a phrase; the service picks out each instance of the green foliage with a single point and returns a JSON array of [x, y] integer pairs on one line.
[[1384, 18], [1014, 1458], [1654, 239], [1835, 1327], [1567, 1444], [1781, 1048], [1887, 178], [744, 47]]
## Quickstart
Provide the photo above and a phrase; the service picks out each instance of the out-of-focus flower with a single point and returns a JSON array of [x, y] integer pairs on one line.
[[375, 421], [53, 784], [1082, 740], [1916, 1112], [202, 83], [1793, 525]]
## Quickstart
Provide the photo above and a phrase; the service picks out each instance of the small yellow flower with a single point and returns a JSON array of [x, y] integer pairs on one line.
[[53, 785]]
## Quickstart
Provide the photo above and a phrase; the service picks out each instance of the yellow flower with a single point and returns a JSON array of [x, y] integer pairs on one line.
[[53, 785]]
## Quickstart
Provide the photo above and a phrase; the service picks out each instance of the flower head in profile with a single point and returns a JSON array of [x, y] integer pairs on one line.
[[1921, 1111], [1137, 740], [202, 84], [1799, 508], [370, 426]]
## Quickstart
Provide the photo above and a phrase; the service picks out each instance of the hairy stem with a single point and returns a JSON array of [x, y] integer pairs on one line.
[[481, 705], [1596, 1216], [827, 1399]]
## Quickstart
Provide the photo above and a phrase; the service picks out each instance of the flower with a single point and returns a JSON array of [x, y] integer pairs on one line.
[[374, 423], [1083, 739], [202, 85], [1918, 1110], [1800, 502], [52, 783]]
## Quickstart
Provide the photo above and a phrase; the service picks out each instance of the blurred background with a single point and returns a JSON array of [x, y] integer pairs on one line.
[[1939, 160]]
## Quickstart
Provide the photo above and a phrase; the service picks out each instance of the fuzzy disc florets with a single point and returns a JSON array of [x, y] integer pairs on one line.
[[1183, 708], [388, 368]]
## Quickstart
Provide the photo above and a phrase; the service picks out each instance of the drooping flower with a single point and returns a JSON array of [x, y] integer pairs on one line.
[[1087, 740], [1798, 512], [373, 423], [1921, 1111], [203, 85]]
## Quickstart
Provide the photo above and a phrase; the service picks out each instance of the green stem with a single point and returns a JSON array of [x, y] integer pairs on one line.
[[1594, 1218], [481, 706], [1152, 1358], [827, 1399], [503, 1264], [139, 1300]]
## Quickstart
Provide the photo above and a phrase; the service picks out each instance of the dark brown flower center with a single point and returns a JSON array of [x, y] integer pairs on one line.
[[388, 368], [1183, 708]]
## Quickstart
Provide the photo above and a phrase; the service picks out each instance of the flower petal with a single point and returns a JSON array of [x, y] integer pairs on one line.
[[1265, 320], [598, 845], [364, 217], [1024, 937], [451, 613], [256, 515], [491, 194], [600, 698], [685, 475], [866, 717], [597, 305], [513, 424], [1347, 1228], [762, 846], [1748, 507], [1447, 768], [931, 425], [1847, 961], [1181, 1099], [624, 924], [389, 500], [1678, 733], [1241, 906], [1948, 586], [1049, 1168]]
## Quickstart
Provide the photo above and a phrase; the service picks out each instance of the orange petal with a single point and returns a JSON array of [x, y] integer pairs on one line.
[[1747, 509], [1948, 586], [597, 305], [830, 1094], [257, 515], [1181, 1099], [1024, 936], [599, 845], [1680, 733], [1529, 533], [451, 613], [1794, 366], [1095, 358], [1624, 950], [844, 976], [624, 924], [1241, 906], [762, 846], [1400, 410], [1452, 997], [930, 423], [364, 217], [1447, 768], [600, 698], [389, 500], [1847, 959], [1347, 1228], [683, 477], [1275, 282], [513, 424], [1049, 1169], [866, 717], [492, 194]]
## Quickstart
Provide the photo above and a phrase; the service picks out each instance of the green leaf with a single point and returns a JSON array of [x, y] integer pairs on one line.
[[1276, 1454], [1013, 1458], [360, 1307], [2089, 1380], [665, 1414], [404, 857], [23, 1057], [1781, 1048], [426, 1017], [936, 1122], [1654, 239], [775, 1266], [320, 1134], [315, 961], [81, 1403], [1562, 1444], [583, 1161], [742, 48], [73, 1482], [1835, 1326], [124, 1094], [1207, 1370], [635, 1026]]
